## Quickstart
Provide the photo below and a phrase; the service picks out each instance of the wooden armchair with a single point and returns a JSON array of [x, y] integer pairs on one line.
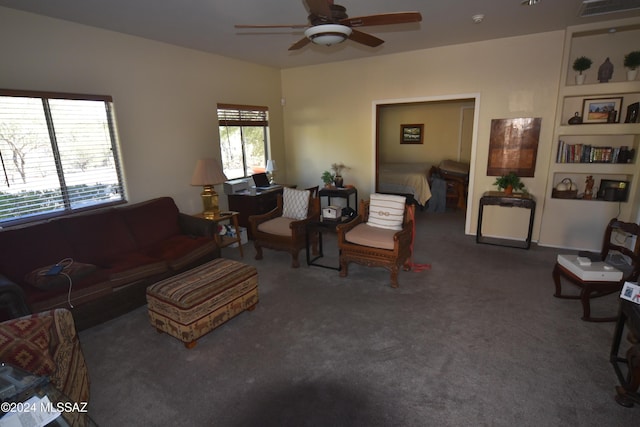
[[366, 244], [273, 230], [594, 289]]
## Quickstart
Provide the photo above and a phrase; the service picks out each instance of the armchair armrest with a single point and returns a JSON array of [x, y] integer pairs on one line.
[[194, 226], [12, 298]]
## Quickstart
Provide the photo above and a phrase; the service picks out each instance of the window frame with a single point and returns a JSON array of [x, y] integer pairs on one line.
[[258, 116], [64, 189]]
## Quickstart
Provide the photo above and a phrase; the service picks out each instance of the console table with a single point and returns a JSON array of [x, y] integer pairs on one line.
[[514, 200]]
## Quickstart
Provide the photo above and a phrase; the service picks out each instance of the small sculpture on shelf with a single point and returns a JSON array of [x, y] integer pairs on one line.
[[576, 119], [588, 189], [605, 71]]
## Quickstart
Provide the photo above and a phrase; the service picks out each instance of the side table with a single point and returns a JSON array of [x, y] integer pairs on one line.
[[326, 225], [515, 200], [224, 241], [344, 193]]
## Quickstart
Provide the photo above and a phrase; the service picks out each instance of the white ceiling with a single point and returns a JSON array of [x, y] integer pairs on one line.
[[208, 25]]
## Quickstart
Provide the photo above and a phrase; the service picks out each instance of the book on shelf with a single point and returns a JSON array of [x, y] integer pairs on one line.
[[586, 153]]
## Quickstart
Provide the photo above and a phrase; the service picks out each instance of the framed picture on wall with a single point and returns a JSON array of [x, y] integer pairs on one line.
[[513, 146], [411, 134]]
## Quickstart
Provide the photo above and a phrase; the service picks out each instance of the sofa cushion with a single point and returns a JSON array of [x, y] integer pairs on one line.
[[386, 211], [152, 221], [375, 237], [71, 272], [31, 247], [97, 236], [134, 266], [25, 343], [180, 251]]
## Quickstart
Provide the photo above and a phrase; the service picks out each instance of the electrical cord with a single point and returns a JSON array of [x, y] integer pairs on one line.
[[63, 263]]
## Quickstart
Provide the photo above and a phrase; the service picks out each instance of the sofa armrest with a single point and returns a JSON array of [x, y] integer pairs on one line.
[[12, 298], [194, 226]]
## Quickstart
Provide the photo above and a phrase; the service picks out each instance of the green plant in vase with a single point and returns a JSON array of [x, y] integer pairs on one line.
[[632, 62], [509, 183], [327, 177], [581, 64]]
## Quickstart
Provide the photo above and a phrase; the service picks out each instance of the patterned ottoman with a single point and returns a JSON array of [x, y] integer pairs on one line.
[[195, 302]]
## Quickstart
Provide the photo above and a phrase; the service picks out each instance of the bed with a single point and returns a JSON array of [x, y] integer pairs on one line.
[[405, 178]]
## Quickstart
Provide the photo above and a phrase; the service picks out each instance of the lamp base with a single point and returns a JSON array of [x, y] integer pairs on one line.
[[210, 202]]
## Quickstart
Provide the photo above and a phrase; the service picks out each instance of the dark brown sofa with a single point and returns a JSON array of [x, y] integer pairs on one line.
[[116, 253]]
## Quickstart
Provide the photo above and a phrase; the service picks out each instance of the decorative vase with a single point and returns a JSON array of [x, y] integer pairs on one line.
[[632, 74], [509, 190], [580, 78], [338, 181]]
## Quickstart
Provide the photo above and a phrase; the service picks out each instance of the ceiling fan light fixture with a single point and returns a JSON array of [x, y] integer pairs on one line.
[[328, 34]]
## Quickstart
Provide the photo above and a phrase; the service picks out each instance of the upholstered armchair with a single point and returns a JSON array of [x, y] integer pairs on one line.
[[47, 343], [284, 228], [380, 236]]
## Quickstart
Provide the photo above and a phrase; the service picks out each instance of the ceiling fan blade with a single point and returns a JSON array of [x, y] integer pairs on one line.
[[273, 26], [320, 7], [300, 44], [364, 38], [383, 19]]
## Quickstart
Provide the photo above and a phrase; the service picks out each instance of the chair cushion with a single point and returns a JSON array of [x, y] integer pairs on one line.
[[386, 211], [295, 203], [374, 237], [278, 226], [72, 271]]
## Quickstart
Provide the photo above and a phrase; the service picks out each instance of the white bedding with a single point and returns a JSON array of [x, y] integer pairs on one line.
[[408, 178]]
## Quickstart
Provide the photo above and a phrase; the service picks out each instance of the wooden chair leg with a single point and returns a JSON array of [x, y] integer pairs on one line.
[[556, 281], [258, 250], [294, 259], [394, 276]]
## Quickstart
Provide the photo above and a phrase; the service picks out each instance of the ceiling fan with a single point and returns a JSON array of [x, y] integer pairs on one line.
[[329, 24]]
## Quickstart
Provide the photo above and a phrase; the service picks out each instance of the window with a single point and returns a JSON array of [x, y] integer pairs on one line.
[[58, 154], [244, 131]]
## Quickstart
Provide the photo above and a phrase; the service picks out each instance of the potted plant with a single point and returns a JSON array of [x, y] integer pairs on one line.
[[338, 168], [632, 62], [510, 183], [327, 177], [582, 63]]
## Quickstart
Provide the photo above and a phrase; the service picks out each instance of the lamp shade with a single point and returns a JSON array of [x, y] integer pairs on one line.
[[271, 166], [208, 172]]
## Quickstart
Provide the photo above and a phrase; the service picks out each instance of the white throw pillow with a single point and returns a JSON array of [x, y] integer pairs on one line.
[[386, 211], [295, 203]]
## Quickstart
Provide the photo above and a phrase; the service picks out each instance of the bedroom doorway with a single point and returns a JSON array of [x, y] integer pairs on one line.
[[449, 127]]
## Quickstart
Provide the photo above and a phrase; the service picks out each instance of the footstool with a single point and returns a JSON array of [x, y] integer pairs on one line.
[[193, 303]]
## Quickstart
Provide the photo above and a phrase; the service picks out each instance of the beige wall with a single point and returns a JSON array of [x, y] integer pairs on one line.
[[441, 137], [165, 97], [329, 113]]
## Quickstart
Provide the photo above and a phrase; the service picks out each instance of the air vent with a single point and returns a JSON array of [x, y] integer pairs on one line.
[[602, 7]]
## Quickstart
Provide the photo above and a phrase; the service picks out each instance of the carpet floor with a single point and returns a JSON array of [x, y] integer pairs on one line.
[[477, 340]]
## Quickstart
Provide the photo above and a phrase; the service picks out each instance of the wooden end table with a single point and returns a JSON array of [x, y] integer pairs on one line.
[[224, 241]]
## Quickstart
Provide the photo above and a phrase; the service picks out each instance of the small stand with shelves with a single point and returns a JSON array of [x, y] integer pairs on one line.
[[224, 241]]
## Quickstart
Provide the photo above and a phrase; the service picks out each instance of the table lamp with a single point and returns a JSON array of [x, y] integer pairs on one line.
[[208, 173], [270, 169]]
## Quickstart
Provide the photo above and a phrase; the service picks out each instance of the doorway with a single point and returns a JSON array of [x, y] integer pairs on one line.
[[449, 133]]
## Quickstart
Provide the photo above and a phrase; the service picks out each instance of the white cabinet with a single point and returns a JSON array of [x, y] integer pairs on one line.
[[593, 149]]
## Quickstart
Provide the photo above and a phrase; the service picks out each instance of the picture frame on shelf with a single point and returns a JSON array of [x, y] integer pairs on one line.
[[411, 134], [601, 110], [632, 113]]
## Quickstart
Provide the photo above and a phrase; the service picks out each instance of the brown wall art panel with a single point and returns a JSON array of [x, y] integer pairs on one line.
[[513, 146]]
